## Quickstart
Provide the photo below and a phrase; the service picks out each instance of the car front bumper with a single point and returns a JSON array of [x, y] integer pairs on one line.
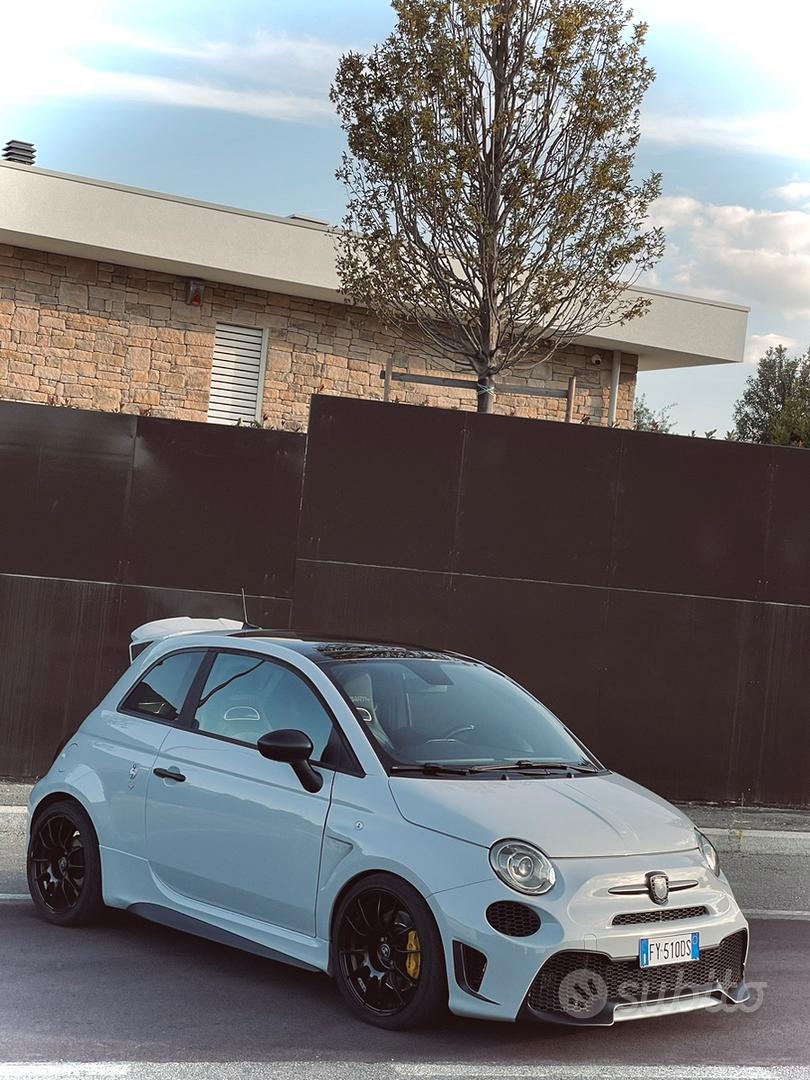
[[579, 942]]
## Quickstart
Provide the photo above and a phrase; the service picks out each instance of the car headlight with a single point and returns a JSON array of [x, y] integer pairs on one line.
[[708, 851], [522, 866]]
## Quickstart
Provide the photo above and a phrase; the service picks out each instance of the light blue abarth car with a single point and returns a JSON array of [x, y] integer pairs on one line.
[[412, 822]]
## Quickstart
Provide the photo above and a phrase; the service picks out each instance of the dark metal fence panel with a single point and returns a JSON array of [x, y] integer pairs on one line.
[[64, 643], [691, 516], [372, 602], [654, 591], [673, 693], [109, 521], [787, 562], [619, 667], [700, 699], [63, 489], [381, 484], [778, 743], [537, 500], [622, 577], [102, 497], [214, 508], [55, 659], [538, 632]]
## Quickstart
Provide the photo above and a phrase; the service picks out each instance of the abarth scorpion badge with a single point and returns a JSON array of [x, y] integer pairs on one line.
[[658, 888]]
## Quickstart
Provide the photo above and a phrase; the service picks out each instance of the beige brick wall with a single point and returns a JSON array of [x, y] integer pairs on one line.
[[101, 336]]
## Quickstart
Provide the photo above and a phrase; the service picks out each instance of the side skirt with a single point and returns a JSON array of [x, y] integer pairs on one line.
[[178, 921]]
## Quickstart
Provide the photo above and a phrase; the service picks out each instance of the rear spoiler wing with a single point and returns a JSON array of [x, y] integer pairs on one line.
[[144, 636]]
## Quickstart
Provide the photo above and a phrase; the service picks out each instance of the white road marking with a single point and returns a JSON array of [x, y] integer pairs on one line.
[[354, 1070], [14, 898], [21, 1070], [593, 1072], [13, 809]]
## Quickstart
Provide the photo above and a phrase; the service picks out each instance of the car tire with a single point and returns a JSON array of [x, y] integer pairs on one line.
[[64, 865], [386, 954]]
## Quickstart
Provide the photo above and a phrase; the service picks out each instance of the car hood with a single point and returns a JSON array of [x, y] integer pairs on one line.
[[580, 817]]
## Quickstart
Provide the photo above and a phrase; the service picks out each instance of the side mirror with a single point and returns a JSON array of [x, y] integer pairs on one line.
[[294, 748]]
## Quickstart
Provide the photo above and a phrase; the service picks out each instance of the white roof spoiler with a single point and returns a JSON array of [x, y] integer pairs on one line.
[[144, 636]]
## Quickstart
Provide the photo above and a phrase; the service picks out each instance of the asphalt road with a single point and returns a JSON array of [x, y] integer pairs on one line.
[[130, 991], [131, 999]]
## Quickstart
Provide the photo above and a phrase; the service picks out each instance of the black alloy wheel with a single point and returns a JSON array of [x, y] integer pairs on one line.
[[387, 954], [64, 875], [58, 863]]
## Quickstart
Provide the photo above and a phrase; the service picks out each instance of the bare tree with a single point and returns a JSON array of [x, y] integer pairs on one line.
[[492, 209]]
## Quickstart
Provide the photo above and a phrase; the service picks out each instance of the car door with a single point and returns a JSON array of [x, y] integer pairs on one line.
[[124, 742], [238, 831]]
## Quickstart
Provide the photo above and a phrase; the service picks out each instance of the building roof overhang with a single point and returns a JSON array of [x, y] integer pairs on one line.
[[95, 219]]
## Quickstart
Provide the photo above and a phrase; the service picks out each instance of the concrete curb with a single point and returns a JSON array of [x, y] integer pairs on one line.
[[759, 841], [732, 830], [727, 841]]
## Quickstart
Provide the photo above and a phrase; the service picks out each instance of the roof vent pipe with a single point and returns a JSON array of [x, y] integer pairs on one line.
[[21, 153]]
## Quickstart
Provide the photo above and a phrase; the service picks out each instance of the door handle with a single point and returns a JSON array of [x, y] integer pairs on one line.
[[169, 774]]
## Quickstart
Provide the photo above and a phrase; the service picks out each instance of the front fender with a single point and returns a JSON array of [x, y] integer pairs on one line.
[[366, 833]]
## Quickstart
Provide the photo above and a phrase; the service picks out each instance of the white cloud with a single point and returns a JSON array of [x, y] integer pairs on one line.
[[303, 62], [72, 79], [770, 40], [795, 191], [765, 51], [266, 75], [754, 257], [782, 133], [758, 344]]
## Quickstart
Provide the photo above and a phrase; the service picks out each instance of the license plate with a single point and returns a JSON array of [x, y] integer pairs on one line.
[[677, 949]]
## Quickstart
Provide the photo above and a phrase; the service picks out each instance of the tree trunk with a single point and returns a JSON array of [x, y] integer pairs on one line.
[[485, 390]]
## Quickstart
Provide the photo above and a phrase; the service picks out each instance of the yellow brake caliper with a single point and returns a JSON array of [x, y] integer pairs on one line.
[[413, 960]]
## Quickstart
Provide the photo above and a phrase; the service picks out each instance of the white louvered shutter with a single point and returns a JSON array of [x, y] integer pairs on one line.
[[236, 375]]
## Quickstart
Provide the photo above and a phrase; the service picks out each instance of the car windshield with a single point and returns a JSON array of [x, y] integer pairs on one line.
[[450, 711]]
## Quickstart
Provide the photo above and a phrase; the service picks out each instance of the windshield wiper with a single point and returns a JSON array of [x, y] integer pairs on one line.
[[521, 766], [432, 768]]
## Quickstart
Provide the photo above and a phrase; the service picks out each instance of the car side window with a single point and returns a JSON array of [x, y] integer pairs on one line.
[[162, 691], [245, 697]]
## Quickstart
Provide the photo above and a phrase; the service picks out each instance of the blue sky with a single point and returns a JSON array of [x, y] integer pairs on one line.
[[228, 102]]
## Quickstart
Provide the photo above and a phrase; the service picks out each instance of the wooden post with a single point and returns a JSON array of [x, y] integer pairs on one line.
[[572, 394], [389, 368]]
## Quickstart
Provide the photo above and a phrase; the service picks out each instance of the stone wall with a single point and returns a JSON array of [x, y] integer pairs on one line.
[[96, 335]]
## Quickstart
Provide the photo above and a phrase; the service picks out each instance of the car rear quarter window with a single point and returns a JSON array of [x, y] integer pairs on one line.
[[161, 693]]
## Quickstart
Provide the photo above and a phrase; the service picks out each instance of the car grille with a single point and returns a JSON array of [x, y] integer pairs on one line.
[[513, 919], [661, 915], [579, 984]]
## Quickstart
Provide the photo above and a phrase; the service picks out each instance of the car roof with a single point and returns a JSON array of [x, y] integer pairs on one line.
[[323, 649], [182, 631]]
